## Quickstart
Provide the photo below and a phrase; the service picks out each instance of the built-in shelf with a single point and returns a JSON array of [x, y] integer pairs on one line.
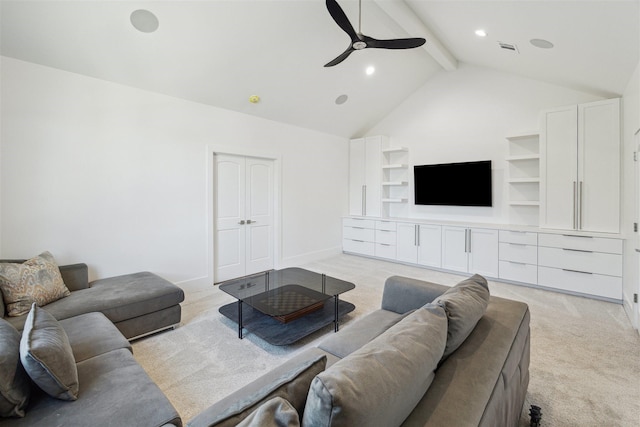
[[522, 180], [524, 203], [523, 177], [395, 180], [395, 150], [523, 157]]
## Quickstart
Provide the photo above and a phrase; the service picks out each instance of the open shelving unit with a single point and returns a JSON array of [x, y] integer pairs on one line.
[[395, 180], [523, 178]]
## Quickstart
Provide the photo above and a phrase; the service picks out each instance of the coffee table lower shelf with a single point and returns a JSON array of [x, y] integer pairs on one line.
[[277, 333]]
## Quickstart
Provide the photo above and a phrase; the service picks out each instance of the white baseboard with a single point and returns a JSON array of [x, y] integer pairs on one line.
[[194, 285], [298, 260]]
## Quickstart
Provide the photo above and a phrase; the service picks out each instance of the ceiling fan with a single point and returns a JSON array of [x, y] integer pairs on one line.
[[358, 40]]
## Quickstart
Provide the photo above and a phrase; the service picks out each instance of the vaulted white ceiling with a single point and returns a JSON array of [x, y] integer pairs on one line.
[[221, 52]]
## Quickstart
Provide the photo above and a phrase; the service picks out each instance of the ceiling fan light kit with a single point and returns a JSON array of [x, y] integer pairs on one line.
[[358, 40]]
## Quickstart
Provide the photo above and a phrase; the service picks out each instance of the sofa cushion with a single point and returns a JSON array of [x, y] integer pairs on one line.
[[92, 334], [464, 303], [381, 383], [115, 391], [276, 412], [359, 333], [47, 356], [37, 280], [14, 382], [290, 381]]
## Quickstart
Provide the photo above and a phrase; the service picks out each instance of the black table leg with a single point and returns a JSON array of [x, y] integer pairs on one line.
[[240, 319], [335, 313]]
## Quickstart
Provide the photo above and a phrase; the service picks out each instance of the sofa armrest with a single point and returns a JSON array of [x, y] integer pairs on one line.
[[75, 276], [403, 294]]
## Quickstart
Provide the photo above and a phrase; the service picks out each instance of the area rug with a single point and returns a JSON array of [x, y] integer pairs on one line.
[[585, 356]]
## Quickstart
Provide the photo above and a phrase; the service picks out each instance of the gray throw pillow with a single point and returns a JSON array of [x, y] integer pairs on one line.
[[35, 280], [47, 355], [382, 382], [14, 383], [276, 412], [464, 303]]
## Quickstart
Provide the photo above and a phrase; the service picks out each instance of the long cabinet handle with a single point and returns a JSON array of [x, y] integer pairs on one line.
[[575, 235], [580, 205], [575, 205], [576, 271], [577, 250], [418, 231], [415, 235], [364, 200]]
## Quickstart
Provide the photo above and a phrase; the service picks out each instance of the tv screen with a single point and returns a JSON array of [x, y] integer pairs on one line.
[[453, 184]]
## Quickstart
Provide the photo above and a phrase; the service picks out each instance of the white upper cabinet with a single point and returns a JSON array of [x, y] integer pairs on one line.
[[365, 176], [580, 167]]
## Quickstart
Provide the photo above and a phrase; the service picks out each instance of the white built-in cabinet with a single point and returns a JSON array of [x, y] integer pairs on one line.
[[419, 244], [472, 250], [365, 176], [580, 167], [577, 263]]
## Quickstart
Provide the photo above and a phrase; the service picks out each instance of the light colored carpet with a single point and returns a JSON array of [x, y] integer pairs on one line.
[[585, 356]]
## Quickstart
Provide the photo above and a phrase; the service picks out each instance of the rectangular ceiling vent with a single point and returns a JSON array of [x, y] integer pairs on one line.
[[508, 46]]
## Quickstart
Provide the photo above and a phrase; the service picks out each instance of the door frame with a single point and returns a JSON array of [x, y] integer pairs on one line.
[[211, 151]]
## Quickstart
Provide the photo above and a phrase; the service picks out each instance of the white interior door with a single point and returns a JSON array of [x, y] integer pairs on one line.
[[243, 216]]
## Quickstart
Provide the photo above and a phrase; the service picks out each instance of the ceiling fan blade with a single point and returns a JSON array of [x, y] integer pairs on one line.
[[340, 58], [341, 19], [394, 43]]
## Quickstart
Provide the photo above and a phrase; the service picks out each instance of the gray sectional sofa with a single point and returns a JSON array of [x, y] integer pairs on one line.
[[409, 363], [138, 304], [113, 388]]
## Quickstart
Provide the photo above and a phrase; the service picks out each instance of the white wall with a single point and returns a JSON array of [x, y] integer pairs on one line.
[[115, 177], [631, 124], [464, 115]]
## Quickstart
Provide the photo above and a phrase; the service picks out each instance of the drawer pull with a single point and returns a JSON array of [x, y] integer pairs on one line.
[[576, 271], [359, 241], [384, 244], [518, 263], [517, 244], [582, 237], [358, 228], [577, 250]]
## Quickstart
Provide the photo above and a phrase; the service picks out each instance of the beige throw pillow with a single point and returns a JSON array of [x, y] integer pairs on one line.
[[37, 280]]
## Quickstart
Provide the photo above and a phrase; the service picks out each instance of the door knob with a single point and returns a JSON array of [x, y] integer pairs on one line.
[[241, 222], [250, 222]]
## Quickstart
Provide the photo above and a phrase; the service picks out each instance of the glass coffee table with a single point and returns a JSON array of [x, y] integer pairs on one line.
[[283, 306]]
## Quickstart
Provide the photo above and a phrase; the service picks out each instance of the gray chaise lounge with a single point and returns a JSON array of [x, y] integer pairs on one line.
[[138, 304]]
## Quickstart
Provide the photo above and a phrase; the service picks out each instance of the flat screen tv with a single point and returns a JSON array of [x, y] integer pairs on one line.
[[453, 184]]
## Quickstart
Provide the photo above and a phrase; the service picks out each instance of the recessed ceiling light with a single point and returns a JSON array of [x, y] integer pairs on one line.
[[144, 21], [254, 99], [542, 44], [481, 33], [341, 99], [370, 70]]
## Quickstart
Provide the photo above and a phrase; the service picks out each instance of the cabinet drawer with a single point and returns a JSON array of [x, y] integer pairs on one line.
[[592, 284], [386, 225], [359, 222], [587, 262], [518, 252], [385, 251], [584, 243], [521, 237], [358, 247], [525, 273], [385, 236], [356, 233]]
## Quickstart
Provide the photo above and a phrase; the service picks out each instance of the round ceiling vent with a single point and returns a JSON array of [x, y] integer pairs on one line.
[[341, 99], [144, 21], [542, 44]]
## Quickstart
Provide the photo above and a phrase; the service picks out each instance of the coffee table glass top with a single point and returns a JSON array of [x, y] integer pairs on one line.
[[280, 292]]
